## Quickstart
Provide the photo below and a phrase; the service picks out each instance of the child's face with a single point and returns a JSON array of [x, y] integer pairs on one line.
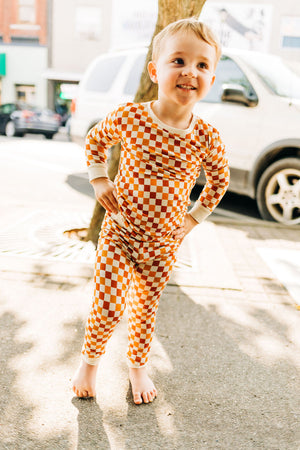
[[184, 69]]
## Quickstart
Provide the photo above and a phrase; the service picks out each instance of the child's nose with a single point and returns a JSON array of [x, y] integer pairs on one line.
[[188, 71]]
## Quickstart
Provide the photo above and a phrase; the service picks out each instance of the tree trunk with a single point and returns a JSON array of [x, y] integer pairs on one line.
[[168, 11]]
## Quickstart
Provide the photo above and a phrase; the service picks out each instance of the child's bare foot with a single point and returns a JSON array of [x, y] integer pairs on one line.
[[143, 389], [84, 381]]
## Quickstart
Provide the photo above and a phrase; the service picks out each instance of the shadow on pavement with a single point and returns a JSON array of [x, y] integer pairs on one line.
[[232, 202], [232, 383], [235, 375], [73, 332], [227, 373], [15, 411], [43, 280], [91, 433], [80, 182]]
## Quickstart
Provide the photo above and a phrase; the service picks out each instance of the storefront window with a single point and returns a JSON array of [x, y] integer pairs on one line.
[[26, 11], [25, 93]]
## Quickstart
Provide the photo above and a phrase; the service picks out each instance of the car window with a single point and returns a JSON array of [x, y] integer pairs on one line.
[[104, 73], [7, 109], [275, 74], [135, 75], [227, 72]]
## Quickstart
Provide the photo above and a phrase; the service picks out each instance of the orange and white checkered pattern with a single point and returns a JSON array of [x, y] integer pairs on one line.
[[159, 166], [127, 273]]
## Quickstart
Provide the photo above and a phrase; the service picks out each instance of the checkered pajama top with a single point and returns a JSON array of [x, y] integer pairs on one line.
[[159, 165]]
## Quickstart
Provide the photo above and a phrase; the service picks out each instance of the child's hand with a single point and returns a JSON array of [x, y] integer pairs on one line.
[[189, 224], [106, 194]]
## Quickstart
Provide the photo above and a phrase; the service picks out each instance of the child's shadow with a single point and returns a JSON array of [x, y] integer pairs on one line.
[[91, 434]]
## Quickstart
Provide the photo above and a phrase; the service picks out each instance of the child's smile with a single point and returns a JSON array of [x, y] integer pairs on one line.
[[184, 70], [186, 87]]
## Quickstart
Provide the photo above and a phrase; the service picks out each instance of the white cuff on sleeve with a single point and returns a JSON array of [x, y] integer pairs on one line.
[[199, 212], [97, 171]]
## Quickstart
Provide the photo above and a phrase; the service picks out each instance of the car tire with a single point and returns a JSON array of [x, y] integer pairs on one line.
[[10, 129], [49, 135], [278, 192]]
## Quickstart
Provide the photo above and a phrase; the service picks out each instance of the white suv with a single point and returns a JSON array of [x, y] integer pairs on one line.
[[254, 103]]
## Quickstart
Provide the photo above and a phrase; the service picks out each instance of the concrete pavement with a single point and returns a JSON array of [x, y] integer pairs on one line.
[[226, 354]]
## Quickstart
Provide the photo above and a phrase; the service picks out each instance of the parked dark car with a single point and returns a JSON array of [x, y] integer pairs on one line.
[[17, 119]]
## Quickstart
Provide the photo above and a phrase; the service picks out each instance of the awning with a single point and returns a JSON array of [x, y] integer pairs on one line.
[[60, 75]]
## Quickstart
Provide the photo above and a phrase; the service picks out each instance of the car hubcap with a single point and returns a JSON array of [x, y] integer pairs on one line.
[[283, 196]]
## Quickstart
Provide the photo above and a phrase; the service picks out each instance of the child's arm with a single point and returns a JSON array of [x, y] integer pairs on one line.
[[99, 139], [216, 170]]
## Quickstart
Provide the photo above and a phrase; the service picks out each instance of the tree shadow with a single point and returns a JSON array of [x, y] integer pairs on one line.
[[73, 332], [15, 411], [231, 382], [42, 278], [234, 382]]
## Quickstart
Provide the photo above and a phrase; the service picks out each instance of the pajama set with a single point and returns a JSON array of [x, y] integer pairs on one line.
[[136, 252]]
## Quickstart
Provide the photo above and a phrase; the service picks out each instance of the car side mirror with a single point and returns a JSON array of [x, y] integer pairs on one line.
[[236, 93]]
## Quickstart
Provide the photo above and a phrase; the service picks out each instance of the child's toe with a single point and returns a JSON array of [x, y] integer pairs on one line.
[[145, 396], [137, 398], [152, 396]]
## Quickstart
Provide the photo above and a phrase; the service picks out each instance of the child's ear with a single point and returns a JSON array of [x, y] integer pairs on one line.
[[212, 80], [152, 71]]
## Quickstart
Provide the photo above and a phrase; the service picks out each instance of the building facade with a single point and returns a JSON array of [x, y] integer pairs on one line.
[[83, 29], [262, 25], [46, 45], [23, 51], [80, 30]]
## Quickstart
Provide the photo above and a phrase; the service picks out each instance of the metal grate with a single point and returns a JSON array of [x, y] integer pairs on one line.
[[40, 235]]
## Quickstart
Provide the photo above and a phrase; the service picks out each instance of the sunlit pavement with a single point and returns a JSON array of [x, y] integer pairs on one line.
[[226, 354]]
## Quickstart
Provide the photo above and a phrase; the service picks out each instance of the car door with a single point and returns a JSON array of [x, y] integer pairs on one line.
[[238, 124]]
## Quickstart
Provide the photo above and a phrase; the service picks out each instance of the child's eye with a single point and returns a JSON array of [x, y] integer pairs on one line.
[[203, 65], [178, 61]]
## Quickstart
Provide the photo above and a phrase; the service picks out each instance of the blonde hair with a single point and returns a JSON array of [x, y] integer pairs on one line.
[[200, 29]]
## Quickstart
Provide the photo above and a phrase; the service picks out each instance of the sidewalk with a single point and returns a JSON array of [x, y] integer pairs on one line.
[[225, 358], [226, 354]]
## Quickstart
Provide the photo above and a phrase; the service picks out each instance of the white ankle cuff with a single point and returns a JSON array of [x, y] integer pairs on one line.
[[90, 361], [132, 365]]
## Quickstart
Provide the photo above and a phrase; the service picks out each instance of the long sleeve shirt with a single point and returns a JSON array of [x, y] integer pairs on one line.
[[159, 166]]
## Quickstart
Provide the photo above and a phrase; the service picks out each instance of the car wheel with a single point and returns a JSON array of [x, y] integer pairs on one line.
[[49, 136], [10, 129], [278, 192]]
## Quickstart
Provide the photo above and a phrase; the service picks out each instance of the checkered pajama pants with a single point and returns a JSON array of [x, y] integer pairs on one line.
[[125, 276]]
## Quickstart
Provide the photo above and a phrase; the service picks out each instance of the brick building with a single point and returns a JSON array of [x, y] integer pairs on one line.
[[23, 50]]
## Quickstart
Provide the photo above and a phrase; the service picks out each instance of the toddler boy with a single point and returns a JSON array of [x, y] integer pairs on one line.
[[164, 146]]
